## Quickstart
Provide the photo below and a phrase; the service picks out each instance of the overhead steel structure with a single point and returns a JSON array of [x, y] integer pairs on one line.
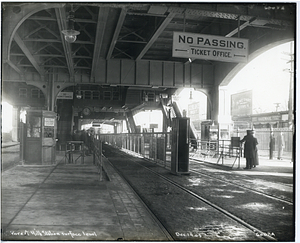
[[123, 53]]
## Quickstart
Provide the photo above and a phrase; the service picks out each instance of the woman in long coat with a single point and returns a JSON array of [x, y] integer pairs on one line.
[[250, 149]]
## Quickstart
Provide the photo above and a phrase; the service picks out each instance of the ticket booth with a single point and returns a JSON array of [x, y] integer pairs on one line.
[[180, 145], [209, 131], [39, 137], [225, 131]]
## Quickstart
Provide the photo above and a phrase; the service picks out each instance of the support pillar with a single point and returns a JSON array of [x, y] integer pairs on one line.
[[115, 128], [214, 111], [15, 124]]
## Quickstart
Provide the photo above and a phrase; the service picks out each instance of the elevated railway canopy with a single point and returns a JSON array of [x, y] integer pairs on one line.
[[124, 52], [82, 76]]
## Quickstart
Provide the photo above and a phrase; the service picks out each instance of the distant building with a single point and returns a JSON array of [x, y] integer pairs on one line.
[[264, 120]]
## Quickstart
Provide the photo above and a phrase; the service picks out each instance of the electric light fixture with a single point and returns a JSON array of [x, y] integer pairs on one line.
[[70, 34]]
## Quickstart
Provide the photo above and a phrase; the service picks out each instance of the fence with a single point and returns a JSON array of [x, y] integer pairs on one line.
[[155, 146], [97, 157], [219, 151], [263, 138]]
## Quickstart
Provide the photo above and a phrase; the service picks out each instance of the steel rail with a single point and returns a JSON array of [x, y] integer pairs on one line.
[[225, 212], [245, 187], [199, 161]]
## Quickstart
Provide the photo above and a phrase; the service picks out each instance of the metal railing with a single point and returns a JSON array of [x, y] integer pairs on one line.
[[218, 151], [154, 146], [98, 157], [157, 147], [263, 136]]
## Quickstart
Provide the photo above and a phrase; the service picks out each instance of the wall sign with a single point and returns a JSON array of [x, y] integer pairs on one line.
[[49, 122], [209, 47], [65, 95]]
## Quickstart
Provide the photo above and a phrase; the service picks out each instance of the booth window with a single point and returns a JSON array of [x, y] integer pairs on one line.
[[34, 127]]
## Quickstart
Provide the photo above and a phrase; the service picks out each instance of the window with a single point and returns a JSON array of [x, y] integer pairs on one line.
[[35, 93], [34, 127], [116, 95], [87, 94], [23, 93], [151, 96], [96, 95], [107, 95]]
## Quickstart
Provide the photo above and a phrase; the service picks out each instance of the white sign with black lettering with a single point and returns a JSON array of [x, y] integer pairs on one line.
[[209, 47], [49, 122], [65, 95]]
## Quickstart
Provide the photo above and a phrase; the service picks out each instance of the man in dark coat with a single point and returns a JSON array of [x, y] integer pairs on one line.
[[271, 145], [250, 150]]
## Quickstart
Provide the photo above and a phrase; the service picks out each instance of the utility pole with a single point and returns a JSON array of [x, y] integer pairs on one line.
[[291, 91], [277, 106], [291, 88]]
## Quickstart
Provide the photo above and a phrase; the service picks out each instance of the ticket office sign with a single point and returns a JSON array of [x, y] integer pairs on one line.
[[209, 47]]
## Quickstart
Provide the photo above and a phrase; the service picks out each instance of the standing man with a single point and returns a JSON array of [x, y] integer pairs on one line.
[[250, 149], [271, 145], [280, 145]]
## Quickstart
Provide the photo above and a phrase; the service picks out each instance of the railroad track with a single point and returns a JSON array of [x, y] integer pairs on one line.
[[199, 161], [288, 201], [140, 173]]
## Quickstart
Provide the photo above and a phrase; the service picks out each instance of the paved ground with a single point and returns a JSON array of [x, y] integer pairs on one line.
[[274, 217], [68, 202], [265, 164], [10, 155]]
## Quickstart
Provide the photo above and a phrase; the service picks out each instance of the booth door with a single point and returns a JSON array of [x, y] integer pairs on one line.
[[33, 141]]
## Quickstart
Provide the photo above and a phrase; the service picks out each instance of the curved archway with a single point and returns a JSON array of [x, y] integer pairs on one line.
[[187, 96], [252, 56], [195, 104], [16, 18], [262, 84]]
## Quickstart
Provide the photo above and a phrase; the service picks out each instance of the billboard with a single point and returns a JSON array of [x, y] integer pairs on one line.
[[241, 104], [209, 47], [196, 112]]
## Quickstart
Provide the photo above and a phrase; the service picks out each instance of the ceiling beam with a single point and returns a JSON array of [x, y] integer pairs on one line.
[[156, 34], [133, 41], [17, 69], [28, 54], [100, 31], [243, 26], [116, 34], [246, 12], [41, 40], [48, 55], [62, 24]]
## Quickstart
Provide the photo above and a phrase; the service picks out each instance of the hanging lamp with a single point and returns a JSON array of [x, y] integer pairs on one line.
[[71, 34]]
